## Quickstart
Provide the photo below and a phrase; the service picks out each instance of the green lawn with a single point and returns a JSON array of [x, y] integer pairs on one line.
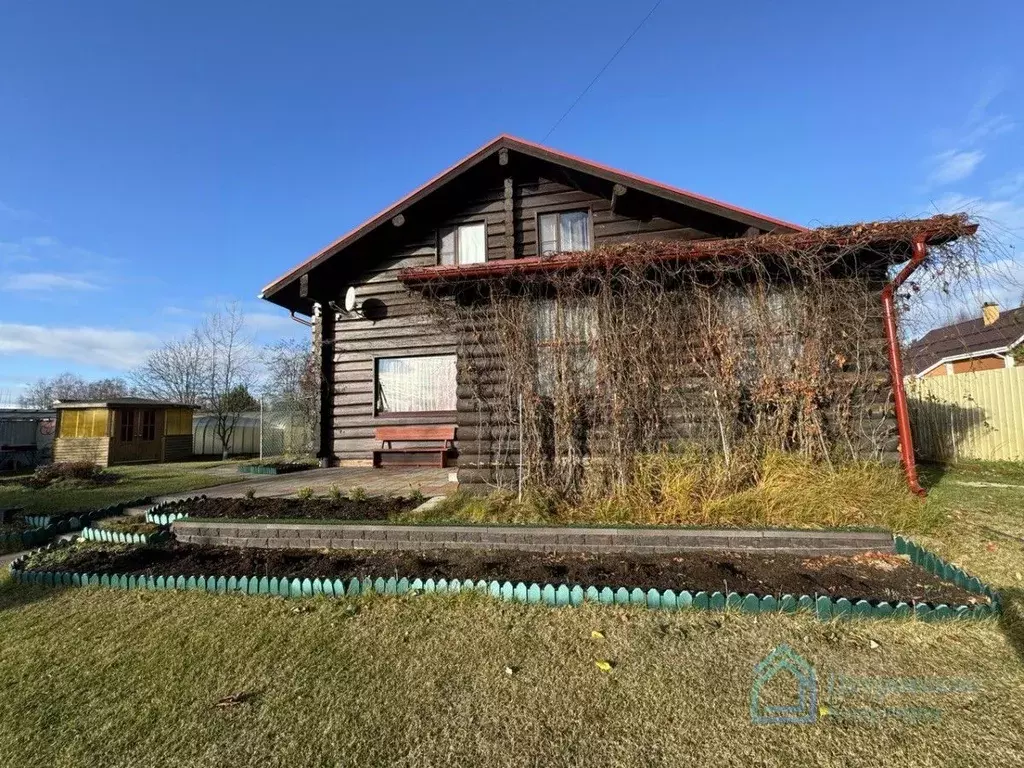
[[135, 482], [102, 678]]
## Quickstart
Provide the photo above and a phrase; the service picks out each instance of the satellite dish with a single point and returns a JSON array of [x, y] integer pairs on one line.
[[350, 299]]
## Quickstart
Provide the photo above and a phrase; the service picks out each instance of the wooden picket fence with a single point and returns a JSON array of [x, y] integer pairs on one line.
[[824, 607]]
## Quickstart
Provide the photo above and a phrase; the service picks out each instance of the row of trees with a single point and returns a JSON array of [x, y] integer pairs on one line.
[[215, 367]]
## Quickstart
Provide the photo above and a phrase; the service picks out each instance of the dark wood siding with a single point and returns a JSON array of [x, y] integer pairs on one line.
[[406, 327]]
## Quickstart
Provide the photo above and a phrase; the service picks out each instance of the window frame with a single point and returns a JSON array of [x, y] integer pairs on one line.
[[391, 415], [559, 210], [122, 423], [439, 235], [145, 424]]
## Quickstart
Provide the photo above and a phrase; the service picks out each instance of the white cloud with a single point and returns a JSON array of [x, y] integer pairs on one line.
[[951, 166], [266, 322], [101, 347], [1009, 185], [47, 281], [11, 212]]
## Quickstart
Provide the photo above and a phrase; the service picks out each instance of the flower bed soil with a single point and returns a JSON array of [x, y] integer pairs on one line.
[[871, 576], [373, 508]]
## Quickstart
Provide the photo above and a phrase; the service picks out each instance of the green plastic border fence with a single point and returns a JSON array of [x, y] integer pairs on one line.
[[825, 608], [156, 514], [120, 537], [68, 523], [48, 527], [262, 469]]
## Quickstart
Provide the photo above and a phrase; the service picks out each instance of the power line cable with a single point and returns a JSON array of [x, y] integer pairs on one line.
[[602, 71]]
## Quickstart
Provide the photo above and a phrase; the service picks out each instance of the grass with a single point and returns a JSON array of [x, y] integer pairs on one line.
[[134, 482], [96, 677], [780, 491]]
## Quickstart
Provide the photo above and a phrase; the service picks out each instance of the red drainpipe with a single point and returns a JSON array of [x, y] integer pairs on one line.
[[906, 440]]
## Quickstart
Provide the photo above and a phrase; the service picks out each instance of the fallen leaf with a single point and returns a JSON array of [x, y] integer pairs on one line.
[[873, 644], [991, 546], [234, 699], [595, 635], [1017, 576], [509, 671], [604, 666]]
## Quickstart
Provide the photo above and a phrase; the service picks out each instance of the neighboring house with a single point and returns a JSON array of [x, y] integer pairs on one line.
[[122, 430], [511, 207], [981, 344]]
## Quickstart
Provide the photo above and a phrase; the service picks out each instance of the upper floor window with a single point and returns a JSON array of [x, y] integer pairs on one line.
[[464, 244], [564, 231]]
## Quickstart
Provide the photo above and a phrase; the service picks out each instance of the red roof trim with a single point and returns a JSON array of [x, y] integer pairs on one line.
[[527, 147]]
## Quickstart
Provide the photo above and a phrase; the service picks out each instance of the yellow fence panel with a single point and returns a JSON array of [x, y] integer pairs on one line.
[[969, 415]]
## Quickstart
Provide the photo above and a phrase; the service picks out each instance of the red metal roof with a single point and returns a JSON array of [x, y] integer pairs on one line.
[[535, 150]]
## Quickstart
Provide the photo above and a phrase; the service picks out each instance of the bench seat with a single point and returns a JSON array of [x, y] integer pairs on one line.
[[438, 439]]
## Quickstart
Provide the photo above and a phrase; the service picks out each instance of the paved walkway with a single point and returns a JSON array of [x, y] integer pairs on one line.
[[376, 482]]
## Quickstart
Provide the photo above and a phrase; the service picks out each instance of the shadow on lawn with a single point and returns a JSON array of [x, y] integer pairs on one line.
[[1011, 622], [14, 595]]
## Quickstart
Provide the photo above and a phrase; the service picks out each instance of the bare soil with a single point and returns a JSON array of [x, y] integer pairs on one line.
[[372, 508], [872, 576]]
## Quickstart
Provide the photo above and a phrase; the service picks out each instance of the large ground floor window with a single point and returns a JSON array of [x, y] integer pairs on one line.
[[414, 384]]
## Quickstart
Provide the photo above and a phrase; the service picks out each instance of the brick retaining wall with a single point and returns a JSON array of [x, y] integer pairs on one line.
[[423, 537]]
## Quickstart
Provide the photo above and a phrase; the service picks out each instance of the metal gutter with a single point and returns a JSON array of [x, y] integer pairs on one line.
[[906, 438]]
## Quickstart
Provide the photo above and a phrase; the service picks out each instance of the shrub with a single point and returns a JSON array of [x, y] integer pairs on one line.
[[357, 494], [334, 494], [79, 472], [416, 496], [250, 494], [305, 493]]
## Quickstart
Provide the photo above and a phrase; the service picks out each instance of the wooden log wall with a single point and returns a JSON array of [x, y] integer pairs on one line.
[[401, 324]]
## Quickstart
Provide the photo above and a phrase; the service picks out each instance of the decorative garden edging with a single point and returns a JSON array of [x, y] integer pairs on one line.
[[48, 527], [15, 541], [66, 524], [824, 608], [391, 536], [155, 514], [120, 537], [264, 469]]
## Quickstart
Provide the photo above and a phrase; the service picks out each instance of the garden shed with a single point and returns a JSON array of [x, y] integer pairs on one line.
[[123, 430]]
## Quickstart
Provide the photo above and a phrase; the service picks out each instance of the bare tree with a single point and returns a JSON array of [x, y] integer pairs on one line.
[[176, 371], [71, 386], [230, 371], [293, 376]]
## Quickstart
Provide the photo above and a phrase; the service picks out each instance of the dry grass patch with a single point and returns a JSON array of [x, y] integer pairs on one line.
[[139, 679], [692, 489]]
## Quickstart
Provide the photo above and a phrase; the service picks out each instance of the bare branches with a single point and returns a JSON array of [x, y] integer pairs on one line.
[[175, 371], [774, 345]]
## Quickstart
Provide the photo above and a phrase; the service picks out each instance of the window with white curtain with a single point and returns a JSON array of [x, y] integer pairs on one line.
[[465, 244], [564, 231], [415, 384]]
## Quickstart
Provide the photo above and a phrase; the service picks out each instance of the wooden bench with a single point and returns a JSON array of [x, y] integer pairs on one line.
[[435, 454]]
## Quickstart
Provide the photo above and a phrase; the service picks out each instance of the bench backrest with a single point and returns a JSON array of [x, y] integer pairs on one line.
[[413, 433]]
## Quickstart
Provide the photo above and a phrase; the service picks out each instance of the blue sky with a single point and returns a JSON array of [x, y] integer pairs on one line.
[[160, 158]]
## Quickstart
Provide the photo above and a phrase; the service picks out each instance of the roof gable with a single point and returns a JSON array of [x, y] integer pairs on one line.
[[545, 154]]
